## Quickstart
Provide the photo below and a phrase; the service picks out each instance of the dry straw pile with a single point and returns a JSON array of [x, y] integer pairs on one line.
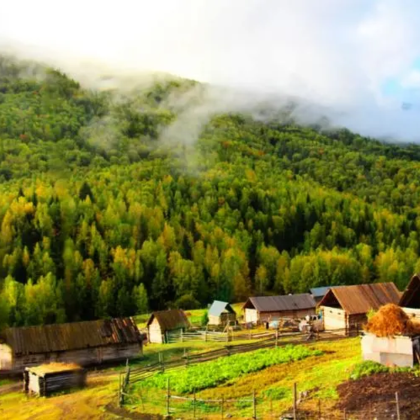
[[391, 320]]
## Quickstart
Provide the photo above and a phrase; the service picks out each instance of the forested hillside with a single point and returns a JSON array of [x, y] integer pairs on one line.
[[99, 217]]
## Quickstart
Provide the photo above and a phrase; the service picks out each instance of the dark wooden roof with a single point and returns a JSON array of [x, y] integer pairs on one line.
[[71, 336], [360, 299], [172, 319], [411, 295], [281, 303]]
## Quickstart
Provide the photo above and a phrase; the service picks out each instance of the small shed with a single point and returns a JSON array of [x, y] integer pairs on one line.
[[162, 323], [345, 308], [53, 377], [272, 308], [84, 343], [221, 313]]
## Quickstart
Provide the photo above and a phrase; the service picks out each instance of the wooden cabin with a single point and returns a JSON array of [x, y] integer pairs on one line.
[[221, 313], [410, 299], [84, 343], [345, 308], [46, 379], [272, 308], [163, 323]]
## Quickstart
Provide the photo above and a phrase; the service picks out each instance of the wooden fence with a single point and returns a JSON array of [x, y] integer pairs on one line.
[[215, 336], [141, 373]]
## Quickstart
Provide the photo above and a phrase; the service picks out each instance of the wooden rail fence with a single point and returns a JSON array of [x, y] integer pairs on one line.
[[142, 373]]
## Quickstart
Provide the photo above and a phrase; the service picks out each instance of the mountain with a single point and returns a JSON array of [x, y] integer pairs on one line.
[[117, 201]]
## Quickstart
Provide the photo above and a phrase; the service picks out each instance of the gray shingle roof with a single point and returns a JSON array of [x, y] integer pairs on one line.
[[281, 303]]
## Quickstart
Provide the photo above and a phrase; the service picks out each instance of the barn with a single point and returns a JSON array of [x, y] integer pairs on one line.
[[345, 308], [163, 323], [272, 308], [221, 313], [85, 343]]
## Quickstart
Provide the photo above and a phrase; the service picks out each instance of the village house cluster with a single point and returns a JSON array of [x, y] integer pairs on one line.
[[343, 309]]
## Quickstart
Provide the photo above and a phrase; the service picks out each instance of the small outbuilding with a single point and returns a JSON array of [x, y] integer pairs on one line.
[[345, 308], [46, 379], [163, 323], [221, 313], [85, 343], [272, 308]]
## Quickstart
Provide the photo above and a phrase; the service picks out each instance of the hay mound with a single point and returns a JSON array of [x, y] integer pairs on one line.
[[391, 320]]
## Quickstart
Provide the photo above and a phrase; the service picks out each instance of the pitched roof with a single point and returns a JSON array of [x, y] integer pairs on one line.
[[71, 336], [281, 303], [172, 319], [318, 292], [411, 295], [360, 299], [218, 307]]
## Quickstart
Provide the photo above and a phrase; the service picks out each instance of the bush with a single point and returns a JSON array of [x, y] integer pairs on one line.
[[367, 368], [187, 302], [205, 319]]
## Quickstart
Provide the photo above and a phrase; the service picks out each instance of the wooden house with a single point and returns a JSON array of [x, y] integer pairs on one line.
[[410, 299], [46, 379], [162, 323], [272, 308], [84, 343], [221, 313], [345, 308]]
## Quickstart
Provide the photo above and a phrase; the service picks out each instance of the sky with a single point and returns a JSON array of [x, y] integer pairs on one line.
[[358, 57]]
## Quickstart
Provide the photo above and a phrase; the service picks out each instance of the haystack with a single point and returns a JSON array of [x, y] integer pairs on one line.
[[391, 320]]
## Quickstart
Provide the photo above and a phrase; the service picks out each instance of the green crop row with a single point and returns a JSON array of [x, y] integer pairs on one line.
[[213, 373]]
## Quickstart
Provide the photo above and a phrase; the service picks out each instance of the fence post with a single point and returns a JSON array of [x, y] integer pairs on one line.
[[294, 401], [182, 335], [345, 414], [168, 396], [277, 338], [194, 405], [398, 405], [222, 405], [254, 401], [205, 335]]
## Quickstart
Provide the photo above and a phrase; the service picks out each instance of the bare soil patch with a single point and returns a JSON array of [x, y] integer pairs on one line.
[[374, 396]]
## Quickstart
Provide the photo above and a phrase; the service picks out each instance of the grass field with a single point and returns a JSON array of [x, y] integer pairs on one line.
[[319, 375]]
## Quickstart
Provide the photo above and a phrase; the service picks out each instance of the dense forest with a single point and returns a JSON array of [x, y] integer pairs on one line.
[[99, 217]]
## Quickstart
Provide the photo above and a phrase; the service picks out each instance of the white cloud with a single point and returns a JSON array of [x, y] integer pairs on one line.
[[336, 53]]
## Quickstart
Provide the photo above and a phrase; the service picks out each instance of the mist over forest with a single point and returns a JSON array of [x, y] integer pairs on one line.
[[121, 197]]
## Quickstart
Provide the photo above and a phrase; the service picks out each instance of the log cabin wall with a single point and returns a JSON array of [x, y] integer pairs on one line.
[[83, 357]]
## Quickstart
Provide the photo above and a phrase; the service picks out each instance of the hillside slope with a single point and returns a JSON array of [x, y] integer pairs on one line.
[[101, 216]]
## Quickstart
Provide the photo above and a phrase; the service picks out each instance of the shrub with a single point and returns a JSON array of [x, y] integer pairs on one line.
[[205, 319], [367, 368]]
